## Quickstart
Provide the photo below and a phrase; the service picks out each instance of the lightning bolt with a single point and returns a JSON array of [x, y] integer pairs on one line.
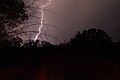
[[42, 21]]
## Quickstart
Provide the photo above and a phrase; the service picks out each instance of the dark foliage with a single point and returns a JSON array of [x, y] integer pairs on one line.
[[89, 41], [36, 44], [12, 14], [15, 42], [92, 37]]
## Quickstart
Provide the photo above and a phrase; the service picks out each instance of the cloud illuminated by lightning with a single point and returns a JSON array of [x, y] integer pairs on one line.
[[42, 21]]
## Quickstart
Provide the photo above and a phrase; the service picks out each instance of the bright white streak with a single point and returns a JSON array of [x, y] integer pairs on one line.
[[42, 21]]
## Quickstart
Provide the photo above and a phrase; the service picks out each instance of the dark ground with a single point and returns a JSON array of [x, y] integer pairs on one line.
[[44, 64]]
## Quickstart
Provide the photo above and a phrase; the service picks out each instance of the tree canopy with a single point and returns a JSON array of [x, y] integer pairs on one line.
[[12, 14]]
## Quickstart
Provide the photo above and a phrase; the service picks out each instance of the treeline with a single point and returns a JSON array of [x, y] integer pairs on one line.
[[95, 40]]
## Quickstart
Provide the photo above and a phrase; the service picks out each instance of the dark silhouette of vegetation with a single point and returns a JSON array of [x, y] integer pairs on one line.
[[93, 41], [15, 42], [12, 14], [92, 37]]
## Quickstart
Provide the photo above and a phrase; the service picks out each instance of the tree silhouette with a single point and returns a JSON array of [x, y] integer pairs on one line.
[[91, 37], [12, 14], [76, 40], [36, 44], [31, 44], [15, 42]]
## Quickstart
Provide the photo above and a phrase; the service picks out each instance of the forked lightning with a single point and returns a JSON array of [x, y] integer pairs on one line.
[[42, 21]]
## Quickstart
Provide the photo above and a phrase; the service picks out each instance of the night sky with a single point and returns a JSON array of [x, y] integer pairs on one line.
[[75, 15]]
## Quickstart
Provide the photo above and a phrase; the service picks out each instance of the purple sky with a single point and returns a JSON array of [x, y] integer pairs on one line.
[[74, 15]]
